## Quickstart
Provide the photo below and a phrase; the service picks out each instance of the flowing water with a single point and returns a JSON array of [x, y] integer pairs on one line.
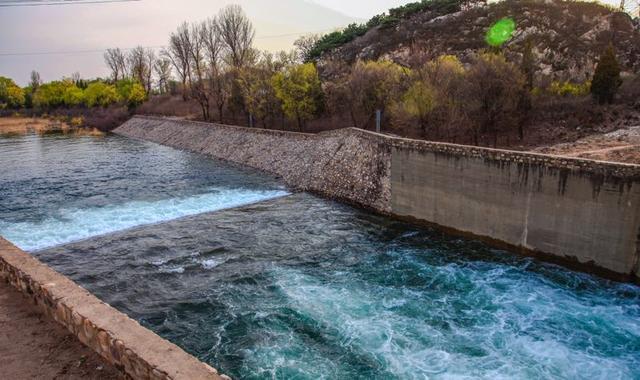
[[57, 189], [299, 287]]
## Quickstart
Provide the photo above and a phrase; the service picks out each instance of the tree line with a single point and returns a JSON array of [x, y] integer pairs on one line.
[[69, 92], [213, 63], [216, 66]]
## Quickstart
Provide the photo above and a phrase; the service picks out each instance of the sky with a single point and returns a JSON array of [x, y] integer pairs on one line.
[[58, 40]]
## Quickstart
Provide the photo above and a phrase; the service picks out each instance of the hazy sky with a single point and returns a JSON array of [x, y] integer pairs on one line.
[[77, 33]]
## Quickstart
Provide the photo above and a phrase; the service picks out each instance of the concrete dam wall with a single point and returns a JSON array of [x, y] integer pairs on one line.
[[578, 212]]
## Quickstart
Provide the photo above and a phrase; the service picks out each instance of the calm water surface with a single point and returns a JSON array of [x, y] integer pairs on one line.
[[303, 288]]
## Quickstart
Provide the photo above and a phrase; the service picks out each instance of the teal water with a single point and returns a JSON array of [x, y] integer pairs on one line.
[[297, 287], [55, 189], [303, 288]]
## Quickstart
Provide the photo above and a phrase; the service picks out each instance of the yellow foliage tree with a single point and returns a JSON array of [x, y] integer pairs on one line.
[[419, 101], [100, 94], [299, 90], [11, 95]]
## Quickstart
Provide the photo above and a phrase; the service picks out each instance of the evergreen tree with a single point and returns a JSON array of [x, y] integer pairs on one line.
[[606, 79], [528, 65]]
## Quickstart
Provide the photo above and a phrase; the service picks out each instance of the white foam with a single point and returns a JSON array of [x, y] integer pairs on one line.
[[211, 263], [518, 330], [178, 270], [71, 225]]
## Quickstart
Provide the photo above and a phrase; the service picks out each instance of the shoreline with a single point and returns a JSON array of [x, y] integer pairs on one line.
[[21, 125]]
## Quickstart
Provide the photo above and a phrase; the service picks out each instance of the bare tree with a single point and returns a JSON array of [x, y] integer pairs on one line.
[[35, 80], [304, 45], [492, 89], [199, 66], [180, 55], [163, 73], [141, 61], [214, 46], [76, 78], [117, 63], [237, 34]]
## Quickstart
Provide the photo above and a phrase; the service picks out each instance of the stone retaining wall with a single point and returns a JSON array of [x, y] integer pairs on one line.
[[579, 212], [136, 351]]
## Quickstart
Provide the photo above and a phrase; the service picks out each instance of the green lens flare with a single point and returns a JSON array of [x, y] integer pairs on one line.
[[501, 32]]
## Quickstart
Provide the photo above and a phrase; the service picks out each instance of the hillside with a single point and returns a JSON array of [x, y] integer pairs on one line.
[[567, 37]]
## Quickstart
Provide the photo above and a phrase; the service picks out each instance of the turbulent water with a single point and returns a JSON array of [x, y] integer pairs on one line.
[[303, 288], [57, 189]]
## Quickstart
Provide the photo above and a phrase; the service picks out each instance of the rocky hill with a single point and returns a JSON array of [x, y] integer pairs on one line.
[[567, 37]]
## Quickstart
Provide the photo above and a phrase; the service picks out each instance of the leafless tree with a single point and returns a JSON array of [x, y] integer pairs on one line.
[[75, 77], [35, 80], [163, 73], [141, 61], [198, 52], [179, 52], [237, 34], [117, 63], [214, 47], [492, 88], [304, 45]]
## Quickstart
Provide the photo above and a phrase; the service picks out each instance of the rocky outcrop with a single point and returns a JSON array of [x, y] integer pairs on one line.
[[567, 37]]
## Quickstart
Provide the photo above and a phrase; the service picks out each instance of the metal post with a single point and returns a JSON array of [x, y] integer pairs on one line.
[[378, 120]]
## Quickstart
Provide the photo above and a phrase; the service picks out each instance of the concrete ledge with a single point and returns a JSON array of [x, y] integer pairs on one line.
[[135, 350]]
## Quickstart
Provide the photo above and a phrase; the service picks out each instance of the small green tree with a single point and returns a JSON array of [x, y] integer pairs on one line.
[[72, 96], [419, 101], [51, 95], [259, 94], [300, 92], [606, 78], [136, 96], [100, 94], [131, 91], [11, 95], [528, 65]]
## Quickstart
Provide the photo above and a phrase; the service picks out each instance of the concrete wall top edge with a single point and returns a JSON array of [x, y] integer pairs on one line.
[[621, 171]]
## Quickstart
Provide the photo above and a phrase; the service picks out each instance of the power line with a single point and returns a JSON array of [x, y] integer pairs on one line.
[[8, 4], [70, 52], [96, 51]]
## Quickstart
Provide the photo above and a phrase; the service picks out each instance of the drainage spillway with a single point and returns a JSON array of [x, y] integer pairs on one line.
[[301, 287], [59, 189]]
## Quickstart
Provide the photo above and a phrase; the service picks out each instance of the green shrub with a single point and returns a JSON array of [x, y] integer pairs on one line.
[[569, 89], [52, 94], [11, 95], [100, 94], [73, 96], [131, 91]]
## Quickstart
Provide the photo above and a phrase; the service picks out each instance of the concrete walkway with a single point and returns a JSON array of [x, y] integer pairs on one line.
[[32, 346]]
